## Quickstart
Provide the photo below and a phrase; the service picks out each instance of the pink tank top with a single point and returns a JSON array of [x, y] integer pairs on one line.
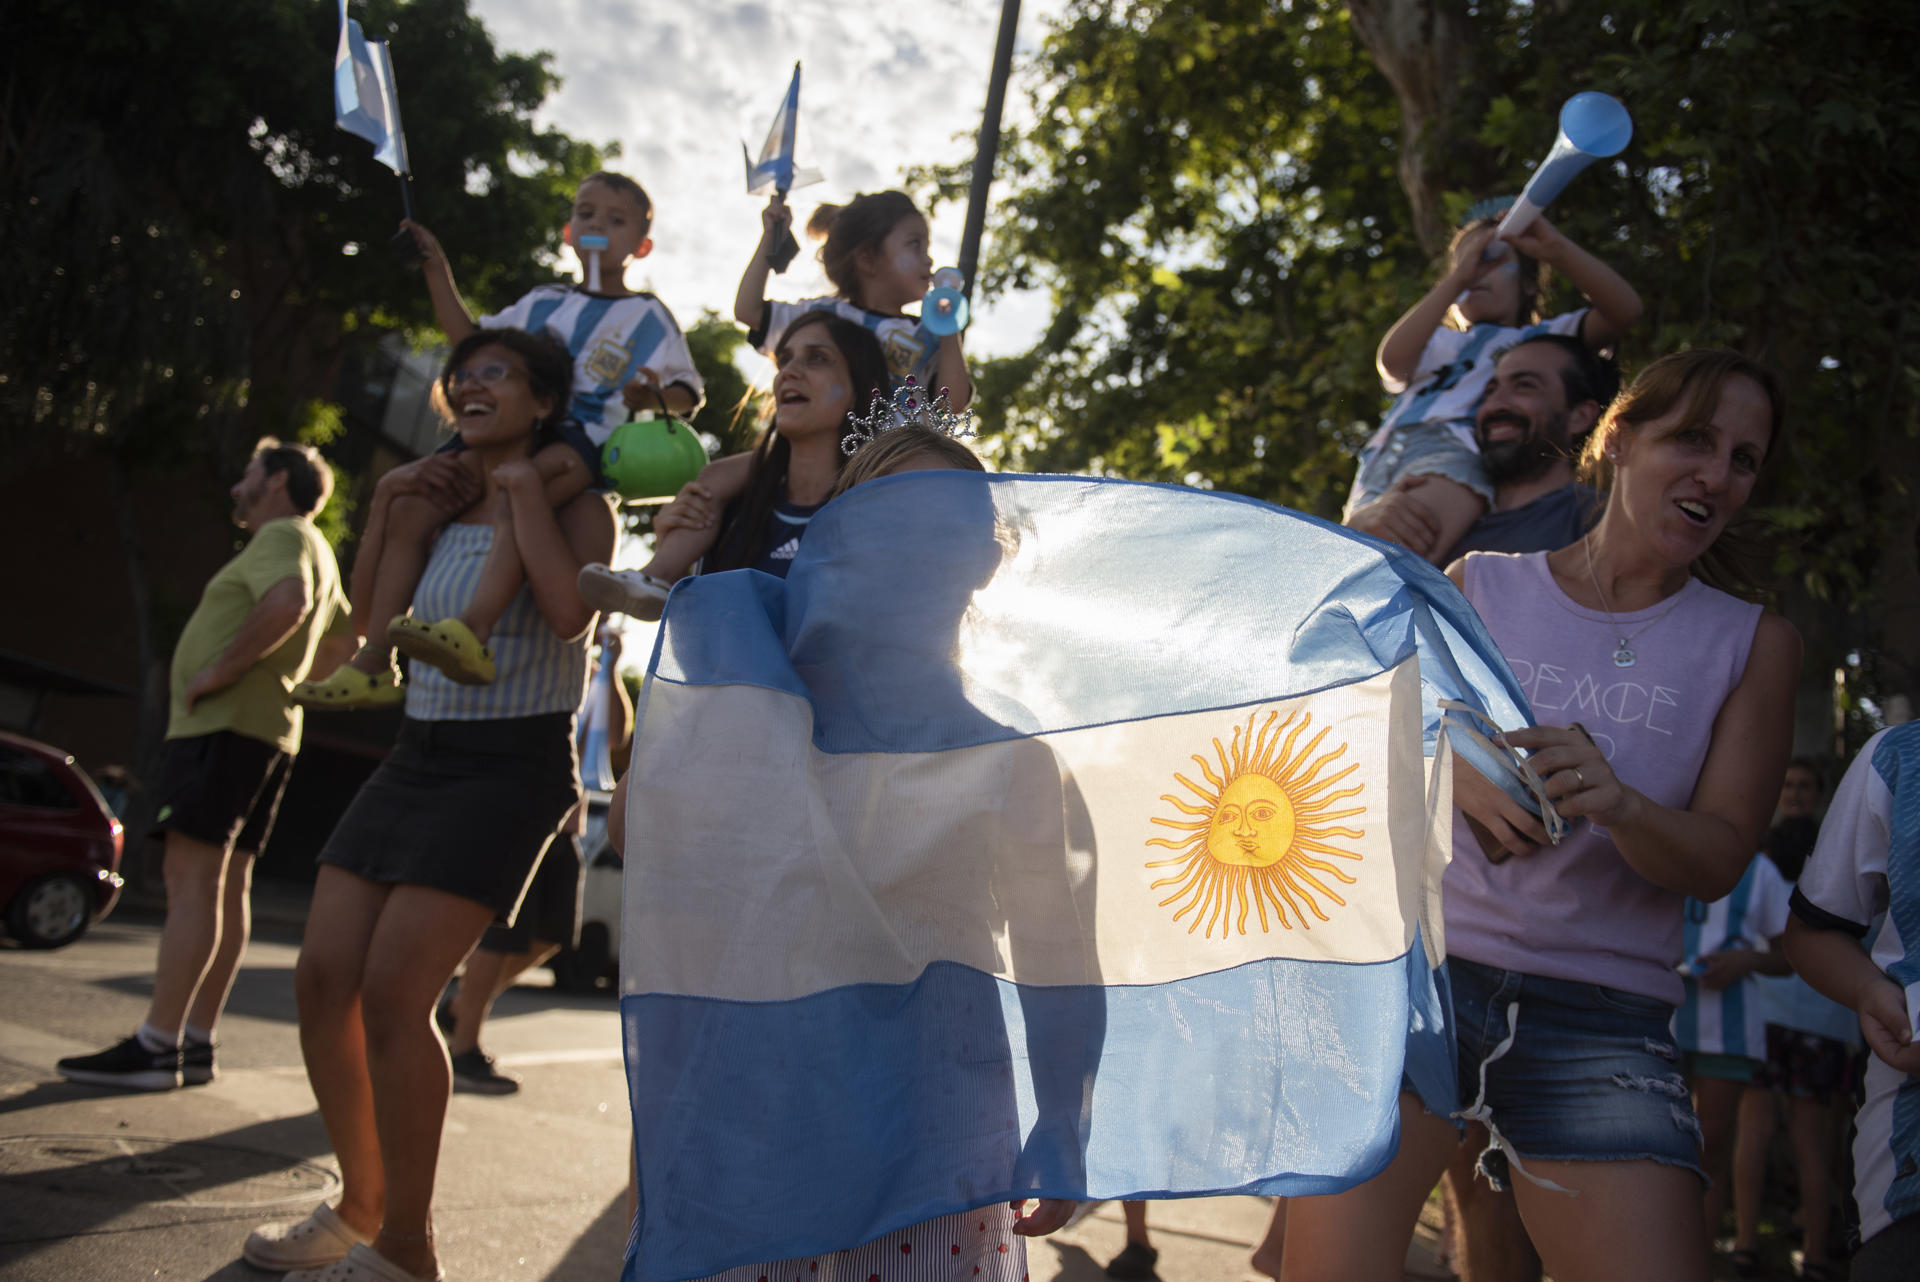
[[1577, 911]]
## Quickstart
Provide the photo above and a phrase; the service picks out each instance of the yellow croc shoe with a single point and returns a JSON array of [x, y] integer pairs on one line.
[[448, 645], [350, 689]]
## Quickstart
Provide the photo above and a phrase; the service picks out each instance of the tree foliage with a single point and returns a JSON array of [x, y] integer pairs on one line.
[[187, 241], [1229, 202], [188, 245]]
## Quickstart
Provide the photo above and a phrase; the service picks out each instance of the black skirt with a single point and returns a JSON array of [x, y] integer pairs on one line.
[[462, 806]]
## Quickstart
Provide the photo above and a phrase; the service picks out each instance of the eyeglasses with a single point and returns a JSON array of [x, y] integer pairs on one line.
[[492, 374]]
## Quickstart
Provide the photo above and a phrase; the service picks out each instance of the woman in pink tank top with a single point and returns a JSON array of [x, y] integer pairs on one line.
[[1664, 713]]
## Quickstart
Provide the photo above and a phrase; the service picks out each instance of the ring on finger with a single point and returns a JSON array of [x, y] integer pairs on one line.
[[1579, 780]]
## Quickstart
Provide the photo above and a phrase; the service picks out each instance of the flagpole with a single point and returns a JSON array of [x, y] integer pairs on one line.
[[781, 256], [988, 146]]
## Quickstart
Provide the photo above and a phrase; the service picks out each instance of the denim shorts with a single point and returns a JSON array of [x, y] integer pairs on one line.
[[1592, 1075], [1427, 448]]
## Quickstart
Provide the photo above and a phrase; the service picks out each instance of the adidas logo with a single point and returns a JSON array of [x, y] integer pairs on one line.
[[786, 551]]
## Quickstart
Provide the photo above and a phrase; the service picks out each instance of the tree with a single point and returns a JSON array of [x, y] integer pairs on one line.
[[1230, 201], [188, 245]]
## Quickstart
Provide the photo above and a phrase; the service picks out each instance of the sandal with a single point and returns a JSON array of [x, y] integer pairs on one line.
[[1819, 1271], [630, 592], [348, 689], [448, 645], [1746, 1263], [363, 1264]]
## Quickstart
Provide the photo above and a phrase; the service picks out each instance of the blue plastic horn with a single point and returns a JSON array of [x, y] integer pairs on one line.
[[1593, 126], [944, 310]]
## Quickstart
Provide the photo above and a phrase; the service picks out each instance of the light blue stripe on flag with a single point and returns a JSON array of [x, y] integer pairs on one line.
[[366, 101], [918, 914]]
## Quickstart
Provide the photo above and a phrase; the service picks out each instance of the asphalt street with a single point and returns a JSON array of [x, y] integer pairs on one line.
[[98, 1184]]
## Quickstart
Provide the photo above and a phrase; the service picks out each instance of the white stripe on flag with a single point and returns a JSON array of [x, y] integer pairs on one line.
[[1104, 855]]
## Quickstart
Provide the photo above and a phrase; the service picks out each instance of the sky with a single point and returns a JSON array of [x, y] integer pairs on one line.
[[680, 84]]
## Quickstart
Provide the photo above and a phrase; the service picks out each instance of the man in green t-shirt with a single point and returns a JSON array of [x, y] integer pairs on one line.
[[231, 738]]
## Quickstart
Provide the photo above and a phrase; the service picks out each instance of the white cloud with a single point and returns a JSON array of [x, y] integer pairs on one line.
[[681, 84]]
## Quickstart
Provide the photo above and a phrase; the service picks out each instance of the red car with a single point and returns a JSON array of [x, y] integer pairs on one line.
[[59, 845]]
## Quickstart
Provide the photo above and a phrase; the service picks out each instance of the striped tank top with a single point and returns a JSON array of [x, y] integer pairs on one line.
[[538, 671]]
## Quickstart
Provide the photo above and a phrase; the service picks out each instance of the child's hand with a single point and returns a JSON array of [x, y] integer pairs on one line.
[[643, 391], [1469, 257], [1722, 969], [516, 474], [1399, 519], [441, 479], [1539, 240], [1883, 1021], [775, 220], [691, 509], [431, 255], [1049, 1214]]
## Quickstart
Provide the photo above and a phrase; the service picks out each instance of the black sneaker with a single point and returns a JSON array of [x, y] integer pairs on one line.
[[196, 1063], [475, 1071], [130, 1064]]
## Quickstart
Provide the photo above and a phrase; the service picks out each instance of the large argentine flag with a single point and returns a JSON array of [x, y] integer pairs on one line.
[[1036, 836]]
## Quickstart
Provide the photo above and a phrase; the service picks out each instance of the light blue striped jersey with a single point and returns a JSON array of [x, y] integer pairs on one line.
[[610, 339], [1868, 861], [538, 671], [910, 349], [1731, 1020]]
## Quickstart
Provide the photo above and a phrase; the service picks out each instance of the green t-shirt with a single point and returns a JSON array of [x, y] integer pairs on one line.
[[257, 705]]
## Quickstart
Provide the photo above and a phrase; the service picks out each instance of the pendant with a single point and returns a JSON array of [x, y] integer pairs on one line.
[[1623, 657]]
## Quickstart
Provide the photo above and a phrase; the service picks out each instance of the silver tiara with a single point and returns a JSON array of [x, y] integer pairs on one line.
[[908, 407]]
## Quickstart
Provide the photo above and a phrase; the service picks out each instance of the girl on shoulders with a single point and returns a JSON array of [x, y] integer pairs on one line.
[[875, 251], [1490, 300]]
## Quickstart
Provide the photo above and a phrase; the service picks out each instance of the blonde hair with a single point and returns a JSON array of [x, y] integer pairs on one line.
[[891, 448]]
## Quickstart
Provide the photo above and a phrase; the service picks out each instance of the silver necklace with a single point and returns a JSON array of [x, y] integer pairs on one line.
[[1623, 655]]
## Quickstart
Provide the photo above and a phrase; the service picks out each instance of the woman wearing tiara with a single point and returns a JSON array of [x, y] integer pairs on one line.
[[815, 434], [1664, 710]]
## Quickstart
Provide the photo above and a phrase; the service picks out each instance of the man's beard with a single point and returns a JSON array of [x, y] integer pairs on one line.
[[1526, 458]]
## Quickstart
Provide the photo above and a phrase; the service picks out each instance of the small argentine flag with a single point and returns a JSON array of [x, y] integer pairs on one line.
[[365, 100], [1035, 837], [775, 170]]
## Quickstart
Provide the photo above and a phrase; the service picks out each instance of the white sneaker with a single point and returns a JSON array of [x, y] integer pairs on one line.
[[630, 592], [312, 1243]]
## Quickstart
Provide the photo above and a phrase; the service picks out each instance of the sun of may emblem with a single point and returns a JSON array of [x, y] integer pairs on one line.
[[1256, 834]]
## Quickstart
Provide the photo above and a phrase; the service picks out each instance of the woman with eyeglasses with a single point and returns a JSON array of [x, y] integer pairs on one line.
[[442, 839]]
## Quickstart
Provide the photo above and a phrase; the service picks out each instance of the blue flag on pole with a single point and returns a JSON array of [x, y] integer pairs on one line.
[[775, 170], [1035, 837], [365, 101]]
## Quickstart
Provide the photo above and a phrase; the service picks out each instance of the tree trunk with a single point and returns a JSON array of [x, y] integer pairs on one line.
[[1423, 49]]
